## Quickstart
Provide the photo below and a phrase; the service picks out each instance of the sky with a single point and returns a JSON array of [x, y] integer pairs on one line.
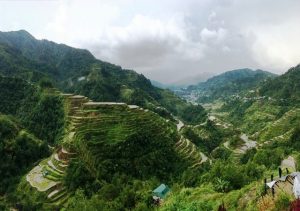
[[168, 40]]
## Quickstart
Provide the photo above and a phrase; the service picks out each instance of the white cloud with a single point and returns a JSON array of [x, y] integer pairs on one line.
[[215, 36], [77, 21], [278, 46], [168, 40], [212, 16]]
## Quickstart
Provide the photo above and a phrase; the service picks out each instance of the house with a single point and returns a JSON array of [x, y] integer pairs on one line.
[[161, 191]]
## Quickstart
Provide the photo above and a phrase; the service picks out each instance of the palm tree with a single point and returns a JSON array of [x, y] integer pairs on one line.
[[221, 185]]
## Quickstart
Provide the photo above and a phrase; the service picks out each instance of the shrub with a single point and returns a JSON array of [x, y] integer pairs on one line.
[[283, 201]]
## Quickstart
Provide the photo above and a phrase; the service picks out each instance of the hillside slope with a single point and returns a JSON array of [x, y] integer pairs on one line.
[[40, 110], [103, 141], [61, 61], [227, 84], [18, 149], [13, 63], [273, 111], [285, 87], [77, 71]]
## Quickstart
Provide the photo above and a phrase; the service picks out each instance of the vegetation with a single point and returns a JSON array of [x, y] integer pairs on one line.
[[229, 83], [77, 71], [19, 150], [34, 118], [112, 155], [284, 88], [118, 138], [46, 119], [40, 110]]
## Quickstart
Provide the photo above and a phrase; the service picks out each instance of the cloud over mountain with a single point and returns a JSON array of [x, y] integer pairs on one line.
[[169, 40]]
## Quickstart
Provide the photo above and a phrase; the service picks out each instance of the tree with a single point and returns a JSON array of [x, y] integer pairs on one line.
[[221, 185]]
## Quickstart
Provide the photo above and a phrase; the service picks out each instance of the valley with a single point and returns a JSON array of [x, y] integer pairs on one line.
[[78, 133]]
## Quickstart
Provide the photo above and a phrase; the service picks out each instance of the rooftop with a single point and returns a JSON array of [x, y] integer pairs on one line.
[[161, 189]]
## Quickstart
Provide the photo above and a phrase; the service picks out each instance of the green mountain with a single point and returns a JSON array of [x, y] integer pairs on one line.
[[110, 150], [13, 63], [77, 71], [270, 117], [227, 84], [78, 152], [60, 61], [104, 144], [97, 147], [272, 113], [285, 87]]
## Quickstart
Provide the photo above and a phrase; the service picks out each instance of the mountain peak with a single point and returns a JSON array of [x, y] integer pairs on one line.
[[20, 33]]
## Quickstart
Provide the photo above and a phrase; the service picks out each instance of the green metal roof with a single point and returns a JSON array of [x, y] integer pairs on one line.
[[161, 190]]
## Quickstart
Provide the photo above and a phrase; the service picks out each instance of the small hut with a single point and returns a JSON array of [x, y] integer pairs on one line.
[[161, 191]]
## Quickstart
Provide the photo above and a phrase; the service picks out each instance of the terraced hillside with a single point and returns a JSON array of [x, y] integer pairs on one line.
[[265, 120], [190, 152], [282, 128], [109, 138], [47, 177], [206, 136], [117, 137]]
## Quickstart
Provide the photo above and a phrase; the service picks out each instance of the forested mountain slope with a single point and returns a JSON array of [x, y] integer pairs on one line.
[[229, 83], [61, 61], [19, 149], [39, 109], [31, 120], [285, 87], [77, 71], [13, 63], [275, 102]]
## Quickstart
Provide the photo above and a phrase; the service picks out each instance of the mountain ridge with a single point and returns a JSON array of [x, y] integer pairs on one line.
[[78, 71], [227, 84]]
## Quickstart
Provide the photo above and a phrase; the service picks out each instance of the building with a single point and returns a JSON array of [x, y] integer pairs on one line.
[[161, 191]]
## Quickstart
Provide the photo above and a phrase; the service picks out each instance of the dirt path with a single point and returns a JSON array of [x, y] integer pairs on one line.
[[204, 158], [248, 144], [289, 163], [218, 122], [179, 125], [226, 145]]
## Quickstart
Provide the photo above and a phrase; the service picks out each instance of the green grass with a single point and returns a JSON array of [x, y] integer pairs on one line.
[[282, 126]]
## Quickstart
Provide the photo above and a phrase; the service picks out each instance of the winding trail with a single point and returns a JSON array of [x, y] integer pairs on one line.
[[179, 125], [226, 145], [204, 158], [248, 144]]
